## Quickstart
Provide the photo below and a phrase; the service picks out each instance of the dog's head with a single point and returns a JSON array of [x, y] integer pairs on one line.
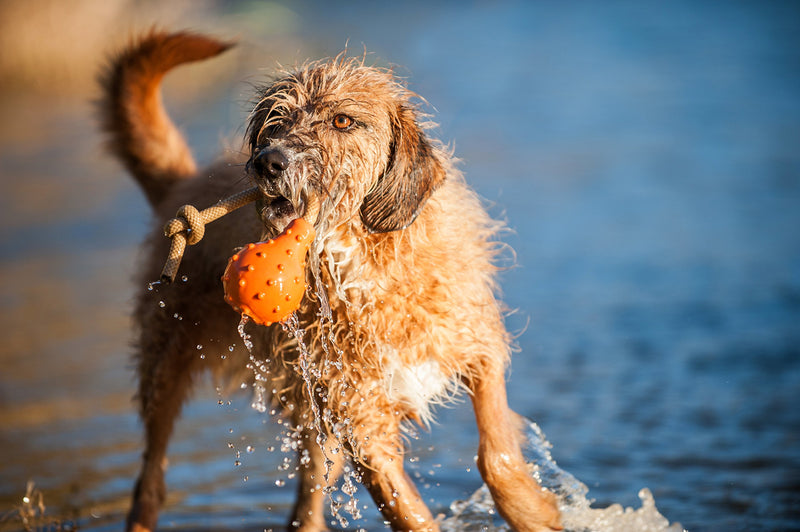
[[348, 134]]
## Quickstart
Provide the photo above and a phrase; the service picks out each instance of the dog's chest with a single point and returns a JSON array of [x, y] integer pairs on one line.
[[418, 387], [408, 375]]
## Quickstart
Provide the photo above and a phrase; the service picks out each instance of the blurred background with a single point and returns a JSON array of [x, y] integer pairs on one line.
[[646, 155]]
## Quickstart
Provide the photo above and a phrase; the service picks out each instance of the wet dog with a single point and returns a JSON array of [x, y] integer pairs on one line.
[[403, 315]]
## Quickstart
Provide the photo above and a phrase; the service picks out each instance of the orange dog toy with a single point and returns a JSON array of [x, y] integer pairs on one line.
[[266, 280]]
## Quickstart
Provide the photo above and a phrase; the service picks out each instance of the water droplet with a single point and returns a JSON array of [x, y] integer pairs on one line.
[[280, 483], [237, 463], [162, 304], [250, 448], [184, 278]]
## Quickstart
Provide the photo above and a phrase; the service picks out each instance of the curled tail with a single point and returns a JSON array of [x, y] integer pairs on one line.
[[141, 133]]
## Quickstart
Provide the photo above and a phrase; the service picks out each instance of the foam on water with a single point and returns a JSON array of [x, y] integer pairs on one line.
[[478, 512]]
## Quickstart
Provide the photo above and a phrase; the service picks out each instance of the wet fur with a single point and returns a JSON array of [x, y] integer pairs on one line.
[[404, 258]]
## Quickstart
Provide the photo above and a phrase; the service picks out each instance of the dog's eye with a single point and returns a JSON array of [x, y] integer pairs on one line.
[[342, 122]]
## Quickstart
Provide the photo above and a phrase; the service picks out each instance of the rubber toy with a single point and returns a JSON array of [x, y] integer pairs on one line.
[[266, 280]]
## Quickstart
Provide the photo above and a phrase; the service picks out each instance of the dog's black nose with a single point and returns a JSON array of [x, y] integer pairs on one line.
[[270, 162]]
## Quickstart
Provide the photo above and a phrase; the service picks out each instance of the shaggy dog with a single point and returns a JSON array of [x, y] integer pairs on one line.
[[402, 315]]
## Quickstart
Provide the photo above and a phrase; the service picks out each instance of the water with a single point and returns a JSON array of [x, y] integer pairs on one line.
[[646, 157], [478, 512]]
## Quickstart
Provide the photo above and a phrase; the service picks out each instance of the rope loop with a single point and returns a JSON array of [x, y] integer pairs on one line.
[[189, 226]]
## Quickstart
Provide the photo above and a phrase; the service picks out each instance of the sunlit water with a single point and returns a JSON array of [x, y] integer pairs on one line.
[[645, 156], [478, 514]]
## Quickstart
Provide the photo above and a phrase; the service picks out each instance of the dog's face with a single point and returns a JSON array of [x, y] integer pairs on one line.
[[347, 134]]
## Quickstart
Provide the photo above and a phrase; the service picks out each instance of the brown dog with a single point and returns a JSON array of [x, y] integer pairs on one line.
[[402, 315]]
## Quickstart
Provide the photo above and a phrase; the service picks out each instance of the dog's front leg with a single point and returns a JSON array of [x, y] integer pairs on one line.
[[382, 473], [309, 509], [518, 497]]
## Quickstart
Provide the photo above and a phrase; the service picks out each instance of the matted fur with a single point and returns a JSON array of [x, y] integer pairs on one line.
[[402, 314]]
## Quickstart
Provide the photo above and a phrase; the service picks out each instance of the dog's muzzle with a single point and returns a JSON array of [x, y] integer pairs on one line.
[[270, 168]]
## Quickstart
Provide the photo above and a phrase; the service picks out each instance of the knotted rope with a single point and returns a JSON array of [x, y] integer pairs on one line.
[[189, 225]]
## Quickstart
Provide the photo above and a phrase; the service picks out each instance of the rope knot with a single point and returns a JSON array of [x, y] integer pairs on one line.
[[188, 219], [189, 226]]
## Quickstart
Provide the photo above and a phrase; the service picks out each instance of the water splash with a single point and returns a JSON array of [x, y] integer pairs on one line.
[[310, 372], [322, 417], [478, 513], [260, 369]]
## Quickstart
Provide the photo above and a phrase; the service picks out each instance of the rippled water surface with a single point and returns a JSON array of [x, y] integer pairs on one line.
[[647, 157]]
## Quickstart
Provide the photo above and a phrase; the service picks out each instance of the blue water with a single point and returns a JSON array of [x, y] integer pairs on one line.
[[647, 158]]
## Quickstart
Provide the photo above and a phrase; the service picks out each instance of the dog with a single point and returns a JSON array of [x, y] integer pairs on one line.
[[403, 313]]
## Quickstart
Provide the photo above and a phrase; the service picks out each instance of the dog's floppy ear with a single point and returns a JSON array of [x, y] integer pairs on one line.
[[413, 172]]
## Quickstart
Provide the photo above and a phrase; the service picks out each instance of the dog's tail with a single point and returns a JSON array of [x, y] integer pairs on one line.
[[141, 133]]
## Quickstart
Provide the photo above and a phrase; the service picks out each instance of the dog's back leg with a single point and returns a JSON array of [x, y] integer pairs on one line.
[[166, 368], [519, 499], [168, 360]]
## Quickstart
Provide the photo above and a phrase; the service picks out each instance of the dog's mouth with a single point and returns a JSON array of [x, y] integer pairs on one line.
[[276, 212], [282, 207]]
